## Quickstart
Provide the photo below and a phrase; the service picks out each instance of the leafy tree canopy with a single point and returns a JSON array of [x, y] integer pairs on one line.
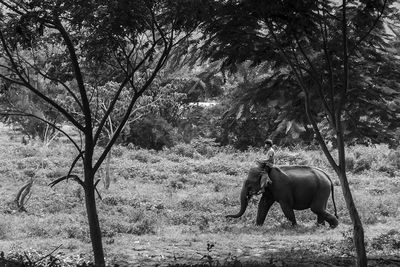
[[269, 34]]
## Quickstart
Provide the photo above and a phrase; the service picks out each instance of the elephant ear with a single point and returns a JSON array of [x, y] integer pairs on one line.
[[254, 175]]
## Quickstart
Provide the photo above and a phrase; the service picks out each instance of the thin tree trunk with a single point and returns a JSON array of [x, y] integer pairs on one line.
[[94, 225], [107, 179], [358, 230], [90, 199]]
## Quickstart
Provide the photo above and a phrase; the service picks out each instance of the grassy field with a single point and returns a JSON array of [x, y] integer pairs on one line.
[[168, 207]]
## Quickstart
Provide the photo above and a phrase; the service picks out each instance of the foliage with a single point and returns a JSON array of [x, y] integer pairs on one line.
[[151, 132], [310, 40]]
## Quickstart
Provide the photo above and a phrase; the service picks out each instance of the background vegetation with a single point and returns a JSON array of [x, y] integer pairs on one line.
[[166, 206]]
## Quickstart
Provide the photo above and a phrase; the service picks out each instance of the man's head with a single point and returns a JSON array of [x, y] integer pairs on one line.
[[268, 143]]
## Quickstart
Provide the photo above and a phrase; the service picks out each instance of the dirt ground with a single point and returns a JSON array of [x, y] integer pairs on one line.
[[304, 246]]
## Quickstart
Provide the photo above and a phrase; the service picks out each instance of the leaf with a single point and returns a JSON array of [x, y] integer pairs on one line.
[[288, 126], [240, 112]]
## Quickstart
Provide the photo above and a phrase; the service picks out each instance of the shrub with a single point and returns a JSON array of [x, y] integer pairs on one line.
[[4, 230], [77, 232], [36, 228], [350, 162], [146, 225], [390, 240], [205, 146], [394, 158], [362, 164], [118, 151], [287, 157], [176, 184], [185, 150], [213, 166], [141, 155], [26, 151]]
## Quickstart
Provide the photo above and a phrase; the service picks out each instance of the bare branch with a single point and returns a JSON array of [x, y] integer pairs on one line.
[[47, 76], [117, 94], [373, 25], [73, 176], [21, 195], [79, 80], [159, 65], [313, 75], [307, 98], [80, 155], [26, 84], [95, 187], [21, 113], [324, 32], [48, 255]]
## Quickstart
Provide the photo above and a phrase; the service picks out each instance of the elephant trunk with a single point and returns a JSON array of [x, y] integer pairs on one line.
[[244, 200]]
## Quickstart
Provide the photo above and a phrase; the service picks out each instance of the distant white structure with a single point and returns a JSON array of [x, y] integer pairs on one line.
[[205, 104]]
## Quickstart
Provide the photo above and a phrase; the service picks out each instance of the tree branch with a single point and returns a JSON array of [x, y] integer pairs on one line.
[[307, 98], [373, 25], [26, 84], [73, 176], [117, 94], [161, 62], [21, 113]]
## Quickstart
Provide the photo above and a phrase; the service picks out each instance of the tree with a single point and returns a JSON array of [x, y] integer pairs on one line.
[[76, 46], [318, 45]]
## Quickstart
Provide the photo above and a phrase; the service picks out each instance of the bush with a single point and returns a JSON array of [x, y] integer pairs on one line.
[[362, 164], [26, 151], [286, 157], [394, 158], [77, 232], [152, 132], [37, 228], [185, 150], [388, 241], [205, 146], [4, 230], [146, 225]]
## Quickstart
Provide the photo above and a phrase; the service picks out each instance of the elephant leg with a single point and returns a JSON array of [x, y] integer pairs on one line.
[[289, 213], [320, 219], [333, 222], [263, 207], [322, 216]]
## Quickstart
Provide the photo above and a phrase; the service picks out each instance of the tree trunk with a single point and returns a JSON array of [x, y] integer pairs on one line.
[[94, 225], [91, 210], [358, 231], [107, 179]]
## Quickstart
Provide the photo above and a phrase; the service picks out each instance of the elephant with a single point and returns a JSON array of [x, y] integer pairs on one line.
[[294, 188]]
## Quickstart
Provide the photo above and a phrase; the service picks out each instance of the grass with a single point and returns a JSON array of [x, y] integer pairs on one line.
[[167, 206]]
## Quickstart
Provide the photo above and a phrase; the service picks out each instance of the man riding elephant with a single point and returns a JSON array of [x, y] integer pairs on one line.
[[266, 165]]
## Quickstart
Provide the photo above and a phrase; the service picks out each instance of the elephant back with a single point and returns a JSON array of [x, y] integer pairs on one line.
[[302, 172]]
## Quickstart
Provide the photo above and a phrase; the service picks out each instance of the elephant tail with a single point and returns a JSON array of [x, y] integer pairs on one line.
[[332, 191], [333, 200]]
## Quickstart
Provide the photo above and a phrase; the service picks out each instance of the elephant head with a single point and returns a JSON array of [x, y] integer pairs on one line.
[[250, 187]]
